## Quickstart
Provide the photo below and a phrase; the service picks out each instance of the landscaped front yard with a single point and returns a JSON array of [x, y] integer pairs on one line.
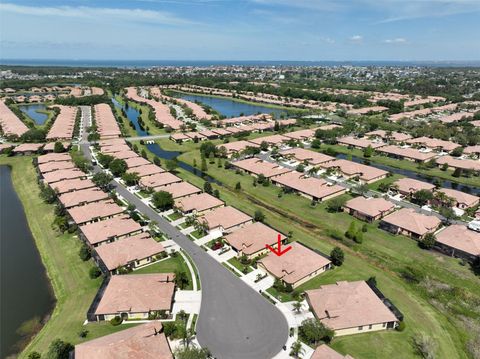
[[169, 265]]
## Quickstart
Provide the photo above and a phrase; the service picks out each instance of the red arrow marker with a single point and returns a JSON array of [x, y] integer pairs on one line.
[[278, 251]]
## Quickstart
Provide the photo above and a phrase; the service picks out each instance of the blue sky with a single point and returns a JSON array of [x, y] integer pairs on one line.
[[241, 29]]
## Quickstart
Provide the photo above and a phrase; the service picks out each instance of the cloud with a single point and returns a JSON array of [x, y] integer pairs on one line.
[[97, 13], [398, 40], [356, 39], [320, 5]]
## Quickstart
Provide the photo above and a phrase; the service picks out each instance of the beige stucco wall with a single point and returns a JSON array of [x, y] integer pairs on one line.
[[356, 330]]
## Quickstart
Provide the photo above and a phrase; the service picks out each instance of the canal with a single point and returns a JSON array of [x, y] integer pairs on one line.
[[414, 175], [133, 115], [231, 108], [32, 111], [26, 298]]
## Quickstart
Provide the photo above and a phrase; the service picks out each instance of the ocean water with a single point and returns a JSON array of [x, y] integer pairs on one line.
[[209, 63]]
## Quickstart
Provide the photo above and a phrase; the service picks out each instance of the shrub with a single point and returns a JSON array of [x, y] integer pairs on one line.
[[336, 204], [116, 321], [335, 234], [59, 349], [312, 331], [163, 200], [259, 216], [351, 231], [412, 275], [83, 333], [428, 242], [94, 272], [401, 326], [358, 237], [364, 228], [85, 253], [169, 328], [337, 256]]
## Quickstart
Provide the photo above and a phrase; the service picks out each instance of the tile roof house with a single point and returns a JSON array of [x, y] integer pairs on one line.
[[198, 203], [27, 148], [141, 341], [325, 352], [303, 155], [408, 186], [55, 166], [296, 266], [459, 241], [180, 189], [349, 169], [236, 147], [52, 157], [62, 175], [132, 252], [136, 162], [316, 189], [359, 142], [301, 135], [410, 223], [251, 239], [410, 154], [350, 308], [75, 184], [434, 143], [109, 230], [273, 140], [94, 211], [454, 163], [389, 136], [369, 209], [135, 296], [461, 199], [225, 219], [146, 170], [157, 181], [255, 167], [82, 197]]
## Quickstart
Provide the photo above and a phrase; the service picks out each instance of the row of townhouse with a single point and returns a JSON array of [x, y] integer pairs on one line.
[[116, 242]]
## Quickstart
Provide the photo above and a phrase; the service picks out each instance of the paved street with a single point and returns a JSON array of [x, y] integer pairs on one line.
[[235, 322]]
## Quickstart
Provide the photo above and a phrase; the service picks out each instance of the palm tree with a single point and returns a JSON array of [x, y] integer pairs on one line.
[[297, 306], [312, 171], [296, 349]]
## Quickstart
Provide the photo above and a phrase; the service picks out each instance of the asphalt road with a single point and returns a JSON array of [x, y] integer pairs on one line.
[[235, 322]]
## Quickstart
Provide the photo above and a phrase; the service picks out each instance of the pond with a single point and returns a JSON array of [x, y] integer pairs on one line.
[[415, 175], [133, 114], [26, 298], [32, 111], [231, 108]]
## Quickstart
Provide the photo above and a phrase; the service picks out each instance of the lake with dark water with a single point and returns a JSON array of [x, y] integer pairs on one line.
[[32, 112], [133, 114], [26, 298], [230, 108]]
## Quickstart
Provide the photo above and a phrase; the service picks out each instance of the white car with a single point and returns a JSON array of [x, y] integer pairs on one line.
[[474, 225]]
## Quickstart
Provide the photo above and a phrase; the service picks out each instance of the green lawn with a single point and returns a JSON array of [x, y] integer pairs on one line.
[[174, 216], [281, 296], [197, 234], [74, 290], [236, 263], [169, 265], [381, 255]]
